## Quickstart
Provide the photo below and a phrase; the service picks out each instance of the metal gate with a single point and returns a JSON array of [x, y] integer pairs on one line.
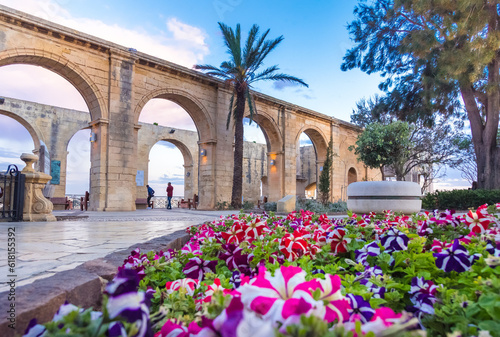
[[12, 194]]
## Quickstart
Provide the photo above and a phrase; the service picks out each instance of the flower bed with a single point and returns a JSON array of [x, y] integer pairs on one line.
[[306, 275]]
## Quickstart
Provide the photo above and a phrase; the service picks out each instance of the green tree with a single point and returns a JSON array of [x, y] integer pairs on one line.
[[241, 70], [325, 176], [384, 145], [437, 56]]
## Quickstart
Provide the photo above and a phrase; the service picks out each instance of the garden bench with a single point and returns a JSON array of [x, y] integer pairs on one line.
[[193, 203], [61, 203], [142, 203], [183, 203]]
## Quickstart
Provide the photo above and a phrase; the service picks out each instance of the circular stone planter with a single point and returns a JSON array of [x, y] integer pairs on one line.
[[378, 196]]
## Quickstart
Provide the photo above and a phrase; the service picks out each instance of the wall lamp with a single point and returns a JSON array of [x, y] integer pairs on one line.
[[2, 100], [203, 152], [272, 162], [93, 137], [171, 131]]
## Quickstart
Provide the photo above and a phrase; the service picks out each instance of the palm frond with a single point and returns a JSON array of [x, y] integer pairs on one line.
[[232, 41], [254, 54], [267, 47], [264, 73], [285, 78], [252, 35]]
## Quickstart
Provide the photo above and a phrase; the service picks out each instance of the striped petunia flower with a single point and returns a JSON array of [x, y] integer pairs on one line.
[[455, 258], [196, 268], [187, 284], [233, 257], [394, 240], [360, 308]]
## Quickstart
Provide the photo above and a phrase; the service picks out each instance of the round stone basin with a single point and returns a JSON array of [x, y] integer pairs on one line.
[[377, 196]]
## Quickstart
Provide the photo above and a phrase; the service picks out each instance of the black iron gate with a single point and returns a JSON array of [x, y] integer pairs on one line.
[[11, 194]]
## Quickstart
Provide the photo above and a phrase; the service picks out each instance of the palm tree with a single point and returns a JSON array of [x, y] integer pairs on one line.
[[240, 72]]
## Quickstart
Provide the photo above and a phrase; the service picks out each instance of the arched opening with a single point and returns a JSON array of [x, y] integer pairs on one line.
[[168, 151], [47, 95], [311, 154], [306, 174], [176, 174], [15, 139], [78, 165], [352, 176], [255, 162]]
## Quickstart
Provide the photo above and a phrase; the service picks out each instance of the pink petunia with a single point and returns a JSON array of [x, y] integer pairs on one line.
[[187, 284]]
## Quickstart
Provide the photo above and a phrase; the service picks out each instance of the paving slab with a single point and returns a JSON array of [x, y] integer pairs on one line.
[[46, 248]]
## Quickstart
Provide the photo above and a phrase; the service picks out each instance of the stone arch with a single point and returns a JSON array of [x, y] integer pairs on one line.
[[318, 139], [186, 153], [352, 176], [65, 68], [195, 109], [36, 135], [271, 131]]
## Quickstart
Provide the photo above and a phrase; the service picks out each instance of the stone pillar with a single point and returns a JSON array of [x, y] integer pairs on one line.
[[189, 190], [206, 174], [36, 206], [274, 176], [121, 164], [98, 155]]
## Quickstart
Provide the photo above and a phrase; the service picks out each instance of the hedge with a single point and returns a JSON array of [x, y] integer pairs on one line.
[[460, 199]]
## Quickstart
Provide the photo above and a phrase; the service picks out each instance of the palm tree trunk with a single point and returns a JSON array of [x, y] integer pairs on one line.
[[238, 151]]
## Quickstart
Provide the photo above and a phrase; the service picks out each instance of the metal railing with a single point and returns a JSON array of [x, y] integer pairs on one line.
[[12, 194]]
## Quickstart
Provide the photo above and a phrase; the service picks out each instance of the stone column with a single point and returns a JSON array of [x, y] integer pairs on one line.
[[98, 155], [189, 174], [206, 174], [274, 176], [36, 206], [121, 159]]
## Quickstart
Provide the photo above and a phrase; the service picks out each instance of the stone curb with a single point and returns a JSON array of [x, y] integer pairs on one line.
[[81, 286]]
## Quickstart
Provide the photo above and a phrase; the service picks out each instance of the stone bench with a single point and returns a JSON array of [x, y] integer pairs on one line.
[[378, 196]]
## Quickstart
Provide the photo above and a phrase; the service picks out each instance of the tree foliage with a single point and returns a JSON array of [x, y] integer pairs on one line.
[[244, 68], [406, 148], [382, 145], [437, 56], [325, 176]]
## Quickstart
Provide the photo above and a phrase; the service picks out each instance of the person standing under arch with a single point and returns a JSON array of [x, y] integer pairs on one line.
[[170, 193], [151, 193]]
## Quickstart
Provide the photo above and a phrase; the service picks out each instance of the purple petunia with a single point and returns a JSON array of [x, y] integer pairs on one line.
[[361, 307], [394, 240], [125, 301], [371, 249], [196, 268], [455, 258], [233, 256], [423, 295]]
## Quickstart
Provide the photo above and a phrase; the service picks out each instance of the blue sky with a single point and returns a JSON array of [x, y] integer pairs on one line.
[[186, 32]]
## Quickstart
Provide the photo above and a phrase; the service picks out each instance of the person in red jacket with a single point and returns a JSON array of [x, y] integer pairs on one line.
[[170, 193]]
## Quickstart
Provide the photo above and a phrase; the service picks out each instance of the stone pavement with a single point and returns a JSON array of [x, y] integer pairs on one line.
[[45, 248]]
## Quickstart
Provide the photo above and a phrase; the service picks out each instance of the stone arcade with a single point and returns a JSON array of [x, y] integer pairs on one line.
[[116, 82]]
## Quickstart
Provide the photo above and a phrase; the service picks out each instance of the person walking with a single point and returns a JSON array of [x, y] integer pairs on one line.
[[170, 193], [151, 193]]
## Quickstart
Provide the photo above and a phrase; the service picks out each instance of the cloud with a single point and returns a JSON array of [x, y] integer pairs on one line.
[[181, 43], [281, 85], [166, 113]]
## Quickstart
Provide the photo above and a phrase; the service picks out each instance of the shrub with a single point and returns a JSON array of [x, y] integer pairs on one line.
[[460, 199], [270, 206], [248, 205], [317, 207]]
